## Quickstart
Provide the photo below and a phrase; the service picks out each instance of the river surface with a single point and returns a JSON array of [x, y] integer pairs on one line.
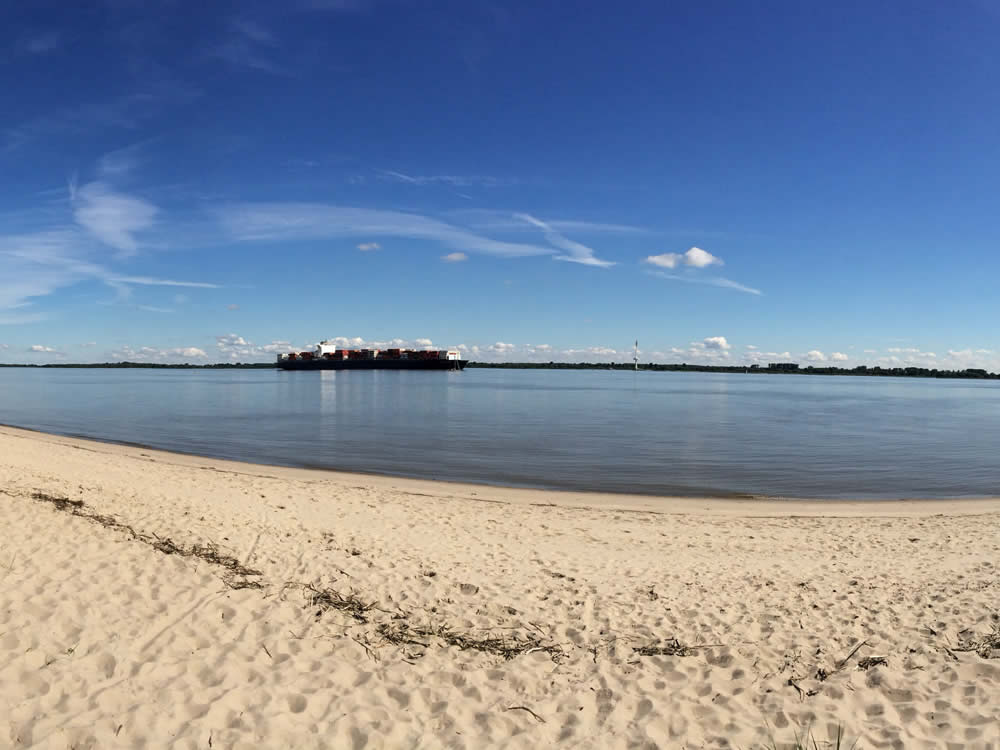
[[616, 431]]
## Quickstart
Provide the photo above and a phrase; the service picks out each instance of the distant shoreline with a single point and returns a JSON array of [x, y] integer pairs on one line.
[[861, 371]]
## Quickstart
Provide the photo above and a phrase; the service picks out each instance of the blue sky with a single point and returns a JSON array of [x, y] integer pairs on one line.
[[722, 181]]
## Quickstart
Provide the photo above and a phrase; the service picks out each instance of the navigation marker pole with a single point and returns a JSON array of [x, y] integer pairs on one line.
[[635, 356]]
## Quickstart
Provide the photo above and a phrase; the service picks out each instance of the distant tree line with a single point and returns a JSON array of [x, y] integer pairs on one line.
[[894, 372], [156, 366]]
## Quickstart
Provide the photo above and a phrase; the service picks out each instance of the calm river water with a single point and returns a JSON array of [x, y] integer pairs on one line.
[[645, 432]]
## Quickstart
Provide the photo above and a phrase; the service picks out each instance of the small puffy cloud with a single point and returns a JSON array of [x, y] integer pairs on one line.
[[871, 351], [501, 348], [454, 257], [838, 357], [751, 347], [816, 356], [423, 342], [162, 356], [238, 349], [716, 342], [367, 247], [694, 257], [39, 349]]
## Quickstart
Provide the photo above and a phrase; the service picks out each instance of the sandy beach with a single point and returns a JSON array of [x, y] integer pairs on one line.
[[155, 600]]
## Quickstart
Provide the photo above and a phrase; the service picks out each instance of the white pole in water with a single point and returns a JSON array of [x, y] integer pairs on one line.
[[635, 357]]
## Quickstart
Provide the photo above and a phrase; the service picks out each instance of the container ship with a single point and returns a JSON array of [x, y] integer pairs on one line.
[[327, 356]]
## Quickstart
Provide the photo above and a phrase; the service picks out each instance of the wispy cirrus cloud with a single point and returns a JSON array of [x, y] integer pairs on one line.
[[454, 257], [123, 112], [149, 281], [392, 175], [120, 162], [576, 252], [287, 221], [502, 221], [248, 45], [114, 218], [709, 280]]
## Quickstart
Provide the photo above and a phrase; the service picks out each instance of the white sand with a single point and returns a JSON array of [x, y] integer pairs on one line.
[[106, 642]]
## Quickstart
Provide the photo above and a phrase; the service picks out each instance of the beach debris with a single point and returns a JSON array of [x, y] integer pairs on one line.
[[872, 661], [237, 574], [987, 646], [469, 588], [843, 662], [60, 503], [325, 599], [669, 647], [401, 632], [525, 708]]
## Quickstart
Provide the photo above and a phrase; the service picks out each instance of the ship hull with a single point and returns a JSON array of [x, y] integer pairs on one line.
[[373, 364]]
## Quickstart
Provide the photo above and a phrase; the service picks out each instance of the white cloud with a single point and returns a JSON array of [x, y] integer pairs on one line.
[[125, 111], [120, 162], [112, 217], [575, 251], [716, 342], [501, 348], [751, 347], [367, 247], [39, 349], [454, 257], [816, 356], [452, 180], [501, 221], [151, 308], [236, 348], [839, 357], [149, 281], [426, 343], [694, 257], [247, 46], [871, 351], [160, 356], [291, 221], [710, 280]]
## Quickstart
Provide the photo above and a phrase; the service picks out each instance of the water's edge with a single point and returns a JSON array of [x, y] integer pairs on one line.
[[706, 494]]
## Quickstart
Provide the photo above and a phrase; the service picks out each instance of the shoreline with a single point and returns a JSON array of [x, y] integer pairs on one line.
[[155, 599], [529, 495], [563, 497]]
